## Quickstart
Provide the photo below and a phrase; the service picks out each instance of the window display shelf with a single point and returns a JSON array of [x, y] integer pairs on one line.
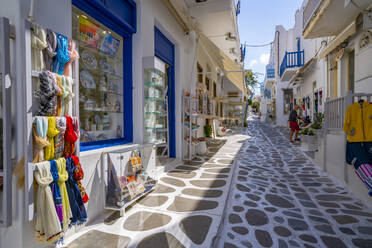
[[102, 111], [155, 85], [83, 45], [158, 113], [99, 73], [152, 99], [162, 129], [82, 89]]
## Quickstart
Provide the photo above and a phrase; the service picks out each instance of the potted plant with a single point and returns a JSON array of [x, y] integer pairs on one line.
[[208, 131], [201, 147], [311, 140]]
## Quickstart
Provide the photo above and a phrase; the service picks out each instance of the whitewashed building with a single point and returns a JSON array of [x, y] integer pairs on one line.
[[151, 35]]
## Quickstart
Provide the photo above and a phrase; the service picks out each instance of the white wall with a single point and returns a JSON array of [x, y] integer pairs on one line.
[[56, 14]]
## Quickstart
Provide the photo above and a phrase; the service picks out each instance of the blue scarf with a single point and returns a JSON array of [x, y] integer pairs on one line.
[[62, 56], [56, 191], [79, 214]]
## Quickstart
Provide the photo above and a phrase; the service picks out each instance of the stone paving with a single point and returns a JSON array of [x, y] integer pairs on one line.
[[281, 199], [251, 190], [184, 210]]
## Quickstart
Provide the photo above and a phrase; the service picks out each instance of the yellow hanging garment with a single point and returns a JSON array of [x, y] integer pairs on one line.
[[52, 132], [62, 178]]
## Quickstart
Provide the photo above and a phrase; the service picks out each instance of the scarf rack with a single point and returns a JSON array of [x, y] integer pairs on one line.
[[29, 100]]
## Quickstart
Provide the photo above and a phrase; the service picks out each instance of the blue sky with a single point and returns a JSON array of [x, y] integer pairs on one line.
[[257, 21]]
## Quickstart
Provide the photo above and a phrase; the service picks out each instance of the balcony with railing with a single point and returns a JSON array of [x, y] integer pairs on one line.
[[310, 10], [291, 60]]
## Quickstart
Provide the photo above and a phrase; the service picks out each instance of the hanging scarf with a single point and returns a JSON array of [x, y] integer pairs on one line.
[[46, 94], [65, 95], [74, 55], [69, 96], [38, 44], [62, 178], [62, 56], [79, 175], [70, 137], [59, 140], [60, 94], [78, 211], [50, 50], [76, 126], [52, 132], [47, 227], [56, 191], [39, 133]]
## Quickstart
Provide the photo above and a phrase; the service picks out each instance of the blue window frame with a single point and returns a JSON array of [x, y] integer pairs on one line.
[[120, 17], [164, 50]]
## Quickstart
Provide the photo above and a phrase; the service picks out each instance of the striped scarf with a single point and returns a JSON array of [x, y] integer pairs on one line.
[[56, 191]]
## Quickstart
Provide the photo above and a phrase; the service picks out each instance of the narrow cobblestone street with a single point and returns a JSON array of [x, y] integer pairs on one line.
[[281, 199], [278, 198]]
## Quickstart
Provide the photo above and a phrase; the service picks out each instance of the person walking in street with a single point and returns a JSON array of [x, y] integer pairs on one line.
[[293, 125]]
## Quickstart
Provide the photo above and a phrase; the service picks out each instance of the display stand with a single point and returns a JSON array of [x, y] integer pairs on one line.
[[190, 125], [116, 171], [156, 105], [31, 81]]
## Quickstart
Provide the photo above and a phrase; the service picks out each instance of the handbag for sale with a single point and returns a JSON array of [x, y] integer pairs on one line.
[[135, 162]]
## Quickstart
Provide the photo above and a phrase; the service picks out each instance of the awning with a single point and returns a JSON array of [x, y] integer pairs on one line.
[[341, 37], [232, 71], [302, 70]]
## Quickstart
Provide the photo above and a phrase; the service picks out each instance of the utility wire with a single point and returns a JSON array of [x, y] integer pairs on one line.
[[268, 44]]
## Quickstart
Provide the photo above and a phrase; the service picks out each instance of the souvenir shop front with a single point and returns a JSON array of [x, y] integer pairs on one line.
[[72, 112]]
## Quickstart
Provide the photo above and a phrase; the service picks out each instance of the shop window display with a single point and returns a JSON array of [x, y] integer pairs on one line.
[[100, 79]]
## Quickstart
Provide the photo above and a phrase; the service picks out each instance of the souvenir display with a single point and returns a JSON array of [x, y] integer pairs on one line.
[[88, 59], [155, 107], [126, 181], [106, 67], [86, 79], [110, 45], [100, 86], [88, 32]]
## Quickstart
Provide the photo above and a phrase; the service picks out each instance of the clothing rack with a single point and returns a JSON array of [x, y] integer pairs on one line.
[[29, 118]]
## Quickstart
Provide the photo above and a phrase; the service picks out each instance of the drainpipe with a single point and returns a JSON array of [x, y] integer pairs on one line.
[[277, 32]]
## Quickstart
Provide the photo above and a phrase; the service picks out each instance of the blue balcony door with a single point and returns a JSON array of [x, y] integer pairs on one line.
[[164, 50], [298, 51]]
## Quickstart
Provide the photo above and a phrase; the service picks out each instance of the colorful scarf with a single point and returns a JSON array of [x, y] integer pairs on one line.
[[74, 55], [56, 191], [52, 132], [59, 140], [39, 133], [69, 96], [38, 44], [60, 94], [62, 178], [79, 175], [46, 94], [62, 56], [79, 214], [70, 137], [50, 50], [47, 227]]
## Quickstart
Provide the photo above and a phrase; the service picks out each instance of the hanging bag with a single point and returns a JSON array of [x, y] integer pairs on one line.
[[135, 162]]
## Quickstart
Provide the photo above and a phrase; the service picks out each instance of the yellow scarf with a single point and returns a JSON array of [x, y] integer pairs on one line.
[[62, 178], [52, 132]]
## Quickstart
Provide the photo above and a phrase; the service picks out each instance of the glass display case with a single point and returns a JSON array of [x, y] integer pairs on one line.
[[129, 175], [156, 104], [100, 79]]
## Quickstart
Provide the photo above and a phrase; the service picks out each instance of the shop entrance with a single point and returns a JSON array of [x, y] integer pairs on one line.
[[164, 51]]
